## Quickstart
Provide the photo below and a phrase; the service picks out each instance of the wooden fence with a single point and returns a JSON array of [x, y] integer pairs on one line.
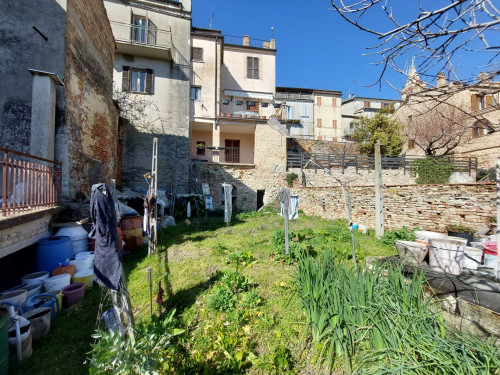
[[359, 161], [28, 182]]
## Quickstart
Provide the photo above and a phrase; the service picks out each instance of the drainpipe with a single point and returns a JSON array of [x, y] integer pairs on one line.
[[216, 112]]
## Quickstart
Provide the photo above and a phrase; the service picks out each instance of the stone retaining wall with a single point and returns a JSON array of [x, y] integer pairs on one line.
[[428, 207]]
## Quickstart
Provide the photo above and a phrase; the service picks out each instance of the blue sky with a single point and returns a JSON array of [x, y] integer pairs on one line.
[[316, 48]]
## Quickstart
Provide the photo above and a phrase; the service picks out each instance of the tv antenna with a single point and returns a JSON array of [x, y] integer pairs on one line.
[[211, 19]]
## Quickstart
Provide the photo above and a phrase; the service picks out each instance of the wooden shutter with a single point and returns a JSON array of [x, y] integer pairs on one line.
[[149, 81], [249, 67], [334, 102], [335, 124], [319, 123], [152, 31], [126, 79], [318, 100], [474, 102], [253, 67], [489, 100], [256, 68]]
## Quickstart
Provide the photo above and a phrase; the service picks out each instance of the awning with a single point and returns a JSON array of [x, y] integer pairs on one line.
[[249, 94]]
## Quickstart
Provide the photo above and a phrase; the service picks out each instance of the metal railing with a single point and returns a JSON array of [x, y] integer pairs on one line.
[[28, 182], [136, 34], [292, 96], [303, 159], [221, 155]]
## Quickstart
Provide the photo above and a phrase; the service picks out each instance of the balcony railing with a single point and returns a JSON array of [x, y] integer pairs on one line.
[[142, 35], [28, 182], [281, 96], [222, 155]]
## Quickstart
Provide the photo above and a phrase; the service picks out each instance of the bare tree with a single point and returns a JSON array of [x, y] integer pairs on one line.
[[437, 129], [435, 34]]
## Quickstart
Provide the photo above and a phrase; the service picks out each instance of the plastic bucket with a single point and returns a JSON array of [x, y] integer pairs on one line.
[[425, 235], [17, 296], [35, 278], [82, 264], [411, 252], [31, 289], [85, 255], [78, 235], [446, 255], [59, 295], [490, 261], [73, 293], [57, 282], [472, 258], [25, 328], [490, 248], [86, 277], [4, 341], [53, 250], [40, 321]]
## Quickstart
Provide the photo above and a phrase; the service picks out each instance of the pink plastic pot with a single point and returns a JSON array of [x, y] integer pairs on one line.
[[73, 293]]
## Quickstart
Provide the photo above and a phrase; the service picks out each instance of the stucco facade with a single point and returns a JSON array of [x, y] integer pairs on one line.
[[151, 85], [297, 111], [327, 115]]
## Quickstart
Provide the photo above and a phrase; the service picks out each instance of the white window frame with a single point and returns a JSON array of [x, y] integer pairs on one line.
[[140, 78], [195, 93]]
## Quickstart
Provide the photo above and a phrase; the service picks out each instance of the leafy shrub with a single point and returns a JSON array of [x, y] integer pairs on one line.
[[250, 300], [486, 175], [282, 359], [221, 299], [290, 178], [432, 170], [152, 350], [295, 249], [219, 248], [398, 234], [240, 257], [235, 282]]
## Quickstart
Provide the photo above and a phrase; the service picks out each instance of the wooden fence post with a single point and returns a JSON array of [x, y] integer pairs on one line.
[[379, 215]]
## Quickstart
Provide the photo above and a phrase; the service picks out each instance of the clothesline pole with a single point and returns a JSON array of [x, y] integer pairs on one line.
[[153, 241]]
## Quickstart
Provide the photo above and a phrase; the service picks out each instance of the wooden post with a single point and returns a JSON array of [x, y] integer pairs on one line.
[[379, 215], [153, 241]]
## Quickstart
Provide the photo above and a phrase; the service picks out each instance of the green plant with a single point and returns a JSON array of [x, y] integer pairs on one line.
[[221, 299], [152, 351], [486, 175], [398, 234], [492, 220], [376, 321], [235, 282], [432, 170], [219, 248], [240, 257], [250, 300], [460, 229], [282, 359], [290, 178]]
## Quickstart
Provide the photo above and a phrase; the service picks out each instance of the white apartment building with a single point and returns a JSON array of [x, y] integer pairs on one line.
[[297, 111], [152, 87]]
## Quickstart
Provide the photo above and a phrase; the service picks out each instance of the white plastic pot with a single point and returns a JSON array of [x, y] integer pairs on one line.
[[82, 264], [445, 255], [35, 278], [490, 261], [57, 282], [426, 236], [410, 251], [17, 296], [78, 235], [25, 328], [472, 258]]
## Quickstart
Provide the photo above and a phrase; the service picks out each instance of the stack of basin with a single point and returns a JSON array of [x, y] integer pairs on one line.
[[446, 255], [78, 235]]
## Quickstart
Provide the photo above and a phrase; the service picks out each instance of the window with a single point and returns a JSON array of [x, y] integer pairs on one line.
[[334, 102], [197, 54], [367, 104], [137, 80], [264, 104], [225, 101], [479, 129], [411, 144], [195, 93], [252, 106], [232, 151], [318, 100], [277, 105], [335, 124], [290, 112], [200, 147], [143, 30], [253, 67], [238, 102], [318, 121], [304, 111]]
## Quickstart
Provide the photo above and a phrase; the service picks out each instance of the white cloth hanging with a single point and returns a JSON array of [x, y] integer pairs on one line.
[[189, 210], [228, 202], [209, 203], [293, 208]]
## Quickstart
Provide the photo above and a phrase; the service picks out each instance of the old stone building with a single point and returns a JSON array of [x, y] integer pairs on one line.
[[56, 97], [151, 86]]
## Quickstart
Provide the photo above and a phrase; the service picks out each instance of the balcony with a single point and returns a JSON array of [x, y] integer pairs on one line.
[[284, 96], [142, 40]]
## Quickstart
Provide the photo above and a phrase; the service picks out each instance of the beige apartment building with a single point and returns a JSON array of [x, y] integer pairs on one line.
[[152, 87], [327, 115]]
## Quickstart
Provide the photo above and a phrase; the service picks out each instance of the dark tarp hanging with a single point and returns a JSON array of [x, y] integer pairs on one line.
[[107, 260]]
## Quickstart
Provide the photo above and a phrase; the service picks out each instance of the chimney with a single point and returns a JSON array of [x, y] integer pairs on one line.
[[246, 40], [43, 113], [272, 44], [265, 45], [441, 80]]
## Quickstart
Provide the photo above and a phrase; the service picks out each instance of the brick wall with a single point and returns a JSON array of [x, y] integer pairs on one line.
[[428, 207], [91, 132]]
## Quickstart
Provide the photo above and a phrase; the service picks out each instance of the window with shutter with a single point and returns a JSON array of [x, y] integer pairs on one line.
[[152, 31], [318, 100], [474, 102], [126, 78], [367, 104], [319, 122], [149, 81], [197, 54], [335, 124], [195, 93], [334, 102], [253, 67], [489, 100], [411, 144]]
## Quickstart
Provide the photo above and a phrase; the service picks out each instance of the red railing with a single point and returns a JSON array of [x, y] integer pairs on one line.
[[28, 182]]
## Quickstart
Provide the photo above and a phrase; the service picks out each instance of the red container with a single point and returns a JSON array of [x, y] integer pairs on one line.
[[73, 293], [490, 248], [133, 222]]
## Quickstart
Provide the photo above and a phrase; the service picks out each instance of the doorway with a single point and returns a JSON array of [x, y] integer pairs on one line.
[[260, 198], [232, 151]]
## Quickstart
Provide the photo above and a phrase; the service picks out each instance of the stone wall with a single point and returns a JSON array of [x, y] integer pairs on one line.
[[486, 149], [90, 150], [268, 173], [428, 207]]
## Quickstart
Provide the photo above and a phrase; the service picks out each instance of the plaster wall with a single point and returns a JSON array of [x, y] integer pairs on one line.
[[328, 111]]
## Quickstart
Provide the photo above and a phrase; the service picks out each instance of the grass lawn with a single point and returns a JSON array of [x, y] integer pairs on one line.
[[262, 332]]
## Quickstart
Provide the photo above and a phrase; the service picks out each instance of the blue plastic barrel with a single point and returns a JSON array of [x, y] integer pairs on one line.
[[51, 251]]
